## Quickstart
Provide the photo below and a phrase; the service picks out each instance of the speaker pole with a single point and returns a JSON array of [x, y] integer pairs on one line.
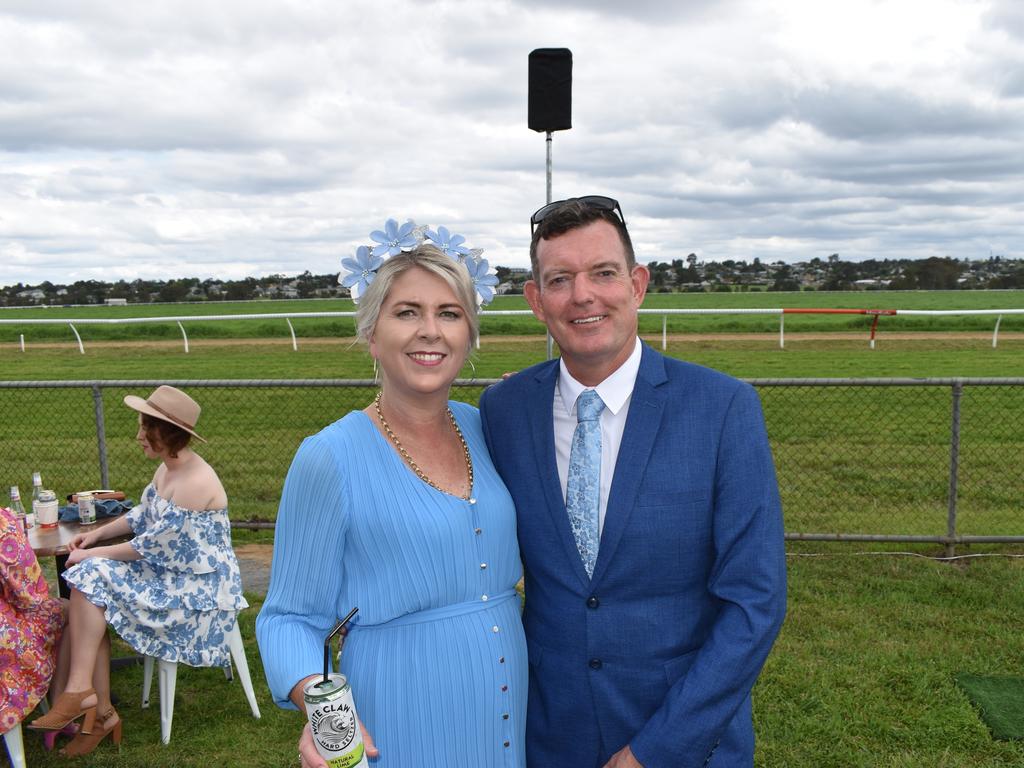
[[548, 141], [549, 104]]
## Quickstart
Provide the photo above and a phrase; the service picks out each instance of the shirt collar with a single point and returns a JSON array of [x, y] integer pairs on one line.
[[614, 391]]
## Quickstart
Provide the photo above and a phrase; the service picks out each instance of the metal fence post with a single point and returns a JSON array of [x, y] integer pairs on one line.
[[101, 434], [954, 464]]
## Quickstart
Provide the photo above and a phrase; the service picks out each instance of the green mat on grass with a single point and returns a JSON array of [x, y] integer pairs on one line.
[[1000, 700]]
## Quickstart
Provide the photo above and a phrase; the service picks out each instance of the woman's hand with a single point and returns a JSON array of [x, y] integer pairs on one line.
[[311, 758], [78, 555], [81, 540], [308, 755]]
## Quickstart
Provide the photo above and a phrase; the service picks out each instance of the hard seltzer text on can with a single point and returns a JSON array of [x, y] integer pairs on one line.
[[86, 508], [332, 719]]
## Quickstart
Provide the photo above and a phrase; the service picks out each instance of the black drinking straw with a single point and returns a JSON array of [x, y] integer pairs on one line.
[[327, 643]]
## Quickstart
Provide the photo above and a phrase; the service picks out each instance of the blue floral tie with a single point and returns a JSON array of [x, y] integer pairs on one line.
[[583, 488]]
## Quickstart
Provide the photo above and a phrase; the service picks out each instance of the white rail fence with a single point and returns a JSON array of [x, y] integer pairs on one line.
[[663, 313]]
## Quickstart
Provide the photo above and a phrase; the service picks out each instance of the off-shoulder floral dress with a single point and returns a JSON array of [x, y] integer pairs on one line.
[[30, 626], [177, 602]]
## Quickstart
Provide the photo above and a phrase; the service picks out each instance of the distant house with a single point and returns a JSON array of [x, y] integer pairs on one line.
[[117, 302], [32, 293], [870, 282]]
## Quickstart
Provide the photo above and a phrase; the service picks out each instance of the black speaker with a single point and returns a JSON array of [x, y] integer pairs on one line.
[[550, 99]]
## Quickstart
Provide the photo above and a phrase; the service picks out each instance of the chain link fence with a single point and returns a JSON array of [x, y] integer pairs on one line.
[[934, 460]]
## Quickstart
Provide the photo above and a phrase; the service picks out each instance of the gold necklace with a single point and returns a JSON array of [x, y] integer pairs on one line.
[[412, 464]]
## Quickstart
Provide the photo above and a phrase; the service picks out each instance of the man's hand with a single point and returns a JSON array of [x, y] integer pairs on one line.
[[311, 758], [623, 759]]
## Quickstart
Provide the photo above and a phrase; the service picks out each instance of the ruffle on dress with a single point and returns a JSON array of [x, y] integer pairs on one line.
[[176, 602]]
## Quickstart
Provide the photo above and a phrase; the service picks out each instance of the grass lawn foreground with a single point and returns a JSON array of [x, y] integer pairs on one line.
[[863, 673]]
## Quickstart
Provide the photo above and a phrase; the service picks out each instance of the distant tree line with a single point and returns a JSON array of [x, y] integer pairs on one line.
[[689, 274], [303, 286], [834, 274]]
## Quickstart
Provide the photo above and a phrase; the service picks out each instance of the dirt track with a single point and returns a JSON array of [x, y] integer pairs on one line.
[[654, 338]]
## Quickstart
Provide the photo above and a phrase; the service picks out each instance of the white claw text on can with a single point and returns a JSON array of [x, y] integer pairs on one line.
[[332, 719]]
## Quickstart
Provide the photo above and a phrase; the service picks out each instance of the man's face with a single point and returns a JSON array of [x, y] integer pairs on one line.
[[588, 299]]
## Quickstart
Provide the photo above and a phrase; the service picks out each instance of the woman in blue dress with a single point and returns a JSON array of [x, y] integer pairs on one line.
[[171, 592], [397, 510]]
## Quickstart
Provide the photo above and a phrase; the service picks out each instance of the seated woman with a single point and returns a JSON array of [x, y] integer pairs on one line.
[[31, 623], [397, 509], [168, 591]]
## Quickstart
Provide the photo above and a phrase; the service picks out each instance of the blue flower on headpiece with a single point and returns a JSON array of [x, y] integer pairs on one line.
[[452, 245], [484, 282], [394, 239], [362, 269]]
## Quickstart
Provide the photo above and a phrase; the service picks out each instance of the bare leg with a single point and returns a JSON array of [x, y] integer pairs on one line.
[[59, 681], [89, 629], [101, 678]]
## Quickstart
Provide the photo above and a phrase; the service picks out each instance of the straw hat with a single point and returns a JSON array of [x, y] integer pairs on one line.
[[170, 405]]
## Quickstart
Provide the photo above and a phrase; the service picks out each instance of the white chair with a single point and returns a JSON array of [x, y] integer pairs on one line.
[[15, 746], [169, 677]]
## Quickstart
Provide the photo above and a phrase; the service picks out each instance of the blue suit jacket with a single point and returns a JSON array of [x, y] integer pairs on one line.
[[661, 648]]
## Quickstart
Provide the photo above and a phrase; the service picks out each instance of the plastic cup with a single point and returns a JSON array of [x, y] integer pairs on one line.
[[46, 510]]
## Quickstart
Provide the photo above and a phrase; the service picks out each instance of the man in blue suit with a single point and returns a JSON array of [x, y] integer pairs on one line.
[[655, 592]]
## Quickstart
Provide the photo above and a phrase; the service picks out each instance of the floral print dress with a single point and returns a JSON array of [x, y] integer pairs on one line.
[[177, 602], [30, 626]]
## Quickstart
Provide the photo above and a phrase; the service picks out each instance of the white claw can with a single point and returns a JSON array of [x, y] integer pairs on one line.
[[86, 508], [332, 719]]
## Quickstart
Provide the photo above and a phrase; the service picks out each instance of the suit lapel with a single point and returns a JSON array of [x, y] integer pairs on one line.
[[542, 431], [646, 406]]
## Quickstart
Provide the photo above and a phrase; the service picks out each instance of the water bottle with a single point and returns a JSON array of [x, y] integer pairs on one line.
[[37, 487], [19, 509]]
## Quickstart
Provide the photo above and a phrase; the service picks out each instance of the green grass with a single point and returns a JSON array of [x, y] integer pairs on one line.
[[212, 723], [863, 671], [1000, 701], [341, 358], [862, 675], [853, 460], [504, 325]]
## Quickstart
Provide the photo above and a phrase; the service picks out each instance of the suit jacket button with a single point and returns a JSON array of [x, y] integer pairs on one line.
[[593, 602], [595, 663]]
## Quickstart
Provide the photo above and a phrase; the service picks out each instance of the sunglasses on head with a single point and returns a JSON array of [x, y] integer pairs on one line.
[[594, 201]]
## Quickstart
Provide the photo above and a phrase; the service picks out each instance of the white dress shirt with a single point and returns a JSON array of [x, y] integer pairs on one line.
[[615, 391]]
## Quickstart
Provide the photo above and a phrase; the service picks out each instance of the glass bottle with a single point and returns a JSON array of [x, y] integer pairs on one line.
[[19, 509], [37, 488]]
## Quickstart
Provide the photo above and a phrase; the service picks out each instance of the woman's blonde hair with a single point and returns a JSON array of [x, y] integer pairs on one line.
[[434, 261]]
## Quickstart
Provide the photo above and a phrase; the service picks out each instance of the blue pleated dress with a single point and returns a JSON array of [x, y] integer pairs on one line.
[[437, 656]]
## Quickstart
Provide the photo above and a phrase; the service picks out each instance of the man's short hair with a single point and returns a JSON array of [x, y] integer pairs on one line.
[[575, 214]]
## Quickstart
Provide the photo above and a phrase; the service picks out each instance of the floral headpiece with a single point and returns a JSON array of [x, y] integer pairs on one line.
[[361, 269]]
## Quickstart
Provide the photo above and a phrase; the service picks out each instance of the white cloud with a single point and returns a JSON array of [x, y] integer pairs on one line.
[[167, 139]]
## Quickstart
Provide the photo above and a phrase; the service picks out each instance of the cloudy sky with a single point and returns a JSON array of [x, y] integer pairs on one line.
[[223, 138]]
